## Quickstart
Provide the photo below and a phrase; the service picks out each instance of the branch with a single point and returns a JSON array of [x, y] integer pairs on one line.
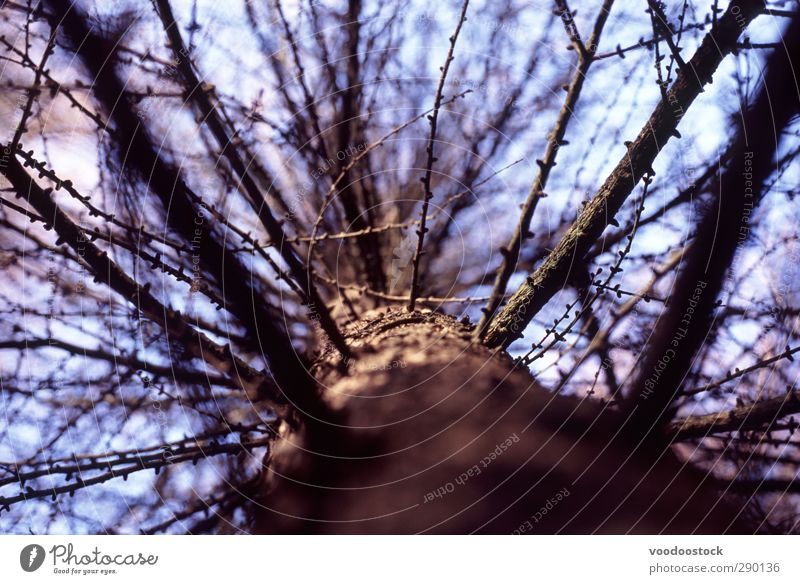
[[786, 354], [688, 320], [555, 140], [255, 383], [246, 301], [119, 359], [349, 132], [201, 506], [121, 465], [33, 92], [568, 20], [757, 416], [661, 21], [426, 180], [198, 92], [620, 51], [546, 281]]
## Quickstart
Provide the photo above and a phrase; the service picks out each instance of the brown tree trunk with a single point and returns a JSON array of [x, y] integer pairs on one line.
[[429, 432]]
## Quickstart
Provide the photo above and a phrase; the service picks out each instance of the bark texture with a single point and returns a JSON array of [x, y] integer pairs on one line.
[[431, 433]]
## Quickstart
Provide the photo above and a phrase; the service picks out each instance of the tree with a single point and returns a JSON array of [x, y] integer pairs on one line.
[[363, 267]]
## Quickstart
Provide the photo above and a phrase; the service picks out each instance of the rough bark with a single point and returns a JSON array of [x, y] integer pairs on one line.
[[429, 432]]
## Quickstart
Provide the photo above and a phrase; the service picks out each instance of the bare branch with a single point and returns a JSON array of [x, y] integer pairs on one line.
[[299, 272], [255, 383], [546, 281], [426, 180], [757, 416], [555, 141], [723, 229]]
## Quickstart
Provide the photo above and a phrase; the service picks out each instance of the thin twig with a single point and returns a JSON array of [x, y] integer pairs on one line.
[[426, 180], [555, 141]]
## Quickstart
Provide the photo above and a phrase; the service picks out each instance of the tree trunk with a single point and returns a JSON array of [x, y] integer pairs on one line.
[[429, 432]]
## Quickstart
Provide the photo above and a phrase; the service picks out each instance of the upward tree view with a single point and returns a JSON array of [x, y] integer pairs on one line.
[[287, 266]]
